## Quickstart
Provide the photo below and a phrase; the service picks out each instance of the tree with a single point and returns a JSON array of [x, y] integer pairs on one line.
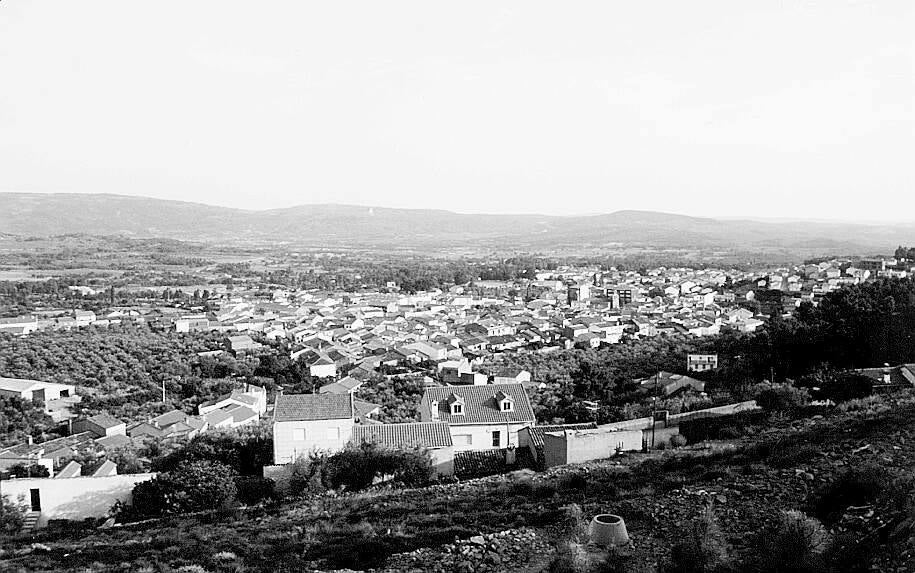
[[357, 467], [20, 419], [12, 514], [192, 486]]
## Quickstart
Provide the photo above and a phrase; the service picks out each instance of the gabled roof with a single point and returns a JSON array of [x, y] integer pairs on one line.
[[364, 409], [169, 418], [108, 468], [309, 407], [113, 442], [105, 421], [344, 386], [410, 435], [217, 417], [72, 469], [480, 403]]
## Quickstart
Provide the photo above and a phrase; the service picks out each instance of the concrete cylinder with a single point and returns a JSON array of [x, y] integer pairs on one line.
[[608, 530]]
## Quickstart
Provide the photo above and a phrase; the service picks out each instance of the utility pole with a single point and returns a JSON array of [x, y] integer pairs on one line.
[[654, 406]]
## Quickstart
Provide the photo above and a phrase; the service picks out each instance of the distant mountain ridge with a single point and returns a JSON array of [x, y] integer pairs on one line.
[[39, 214]]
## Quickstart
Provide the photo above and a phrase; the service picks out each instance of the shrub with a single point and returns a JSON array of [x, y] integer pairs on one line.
[[572, 482], [677, 441], [192, 486], [357, 467], [573, 526], [780, 397], [854, 486], [570, 558], [848, 553], [12, 514], [254, 489], [303, 476], [845, 387], [617, 561], [25, 471], [702, 550], [870, 405], [246, 450], [795, 544]]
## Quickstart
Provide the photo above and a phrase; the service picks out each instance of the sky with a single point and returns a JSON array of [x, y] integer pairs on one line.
[[776, 108]]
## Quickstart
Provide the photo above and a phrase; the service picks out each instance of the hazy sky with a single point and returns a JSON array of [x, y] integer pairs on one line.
[[733, 107]]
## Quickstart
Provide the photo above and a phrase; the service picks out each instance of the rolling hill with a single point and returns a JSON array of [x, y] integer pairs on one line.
[[35, 214]]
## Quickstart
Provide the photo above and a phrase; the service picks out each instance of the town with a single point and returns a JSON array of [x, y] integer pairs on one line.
[[457, 373]]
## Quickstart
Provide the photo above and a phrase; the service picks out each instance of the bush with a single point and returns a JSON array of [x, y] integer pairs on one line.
[[254, 489], [795, 544], [848, 553], [677, 441], [246, 450], [780, 397], [703, 549], [303, 476], [357, 467], [570, 482], [871, 405], [192, 486], [25, 471], [845, 387], [573, 526], [12, 514], [854, 486]]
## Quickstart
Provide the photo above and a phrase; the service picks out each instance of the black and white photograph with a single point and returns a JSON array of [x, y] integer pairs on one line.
[[457, 287]]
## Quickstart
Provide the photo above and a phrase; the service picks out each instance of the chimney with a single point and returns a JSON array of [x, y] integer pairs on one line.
[[30, 440], [886, 373], [434, 409]]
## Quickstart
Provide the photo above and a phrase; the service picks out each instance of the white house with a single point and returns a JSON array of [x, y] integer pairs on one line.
[[73, 498], [20, 325], [35, 389], [479, 417], [307, 422], [251, 396]]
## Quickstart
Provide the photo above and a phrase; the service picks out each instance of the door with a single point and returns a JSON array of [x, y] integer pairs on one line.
[[36, 499]]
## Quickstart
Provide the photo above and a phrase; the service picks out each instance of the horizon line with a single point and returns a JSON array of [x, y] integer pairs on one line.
[[730, 218]]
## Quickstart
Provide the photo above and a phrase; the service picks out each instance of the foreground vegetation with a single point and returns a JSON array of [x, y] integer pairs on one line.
[[752, 488]]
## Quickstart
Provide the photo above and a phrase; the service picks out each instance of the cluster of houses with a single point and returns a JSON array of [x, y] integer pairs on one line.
[[102, 434]]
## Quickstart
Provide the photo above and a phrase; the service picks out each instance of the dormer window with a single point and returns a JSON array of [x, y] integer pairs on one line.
[[506, 403], [456, 405]]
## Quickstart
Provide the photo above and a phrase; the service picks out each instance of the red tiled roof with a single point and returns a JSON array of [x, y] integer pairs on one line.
[[307, 407]]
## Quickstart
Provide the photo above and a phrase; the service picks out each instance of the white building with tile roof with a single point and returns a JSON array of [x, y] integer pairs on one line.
[[481, 417]]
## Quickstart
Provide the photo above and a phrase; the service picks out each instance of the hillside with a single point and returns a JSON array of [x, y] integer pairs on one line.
[[854, 464], [40, 215]]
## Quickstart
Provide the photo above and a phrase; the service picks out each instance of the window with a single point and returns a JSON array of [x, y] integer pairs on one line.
[[457, 409], [496, 438], [507, 406], [298, 434], [333, 433], [462, 440]]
